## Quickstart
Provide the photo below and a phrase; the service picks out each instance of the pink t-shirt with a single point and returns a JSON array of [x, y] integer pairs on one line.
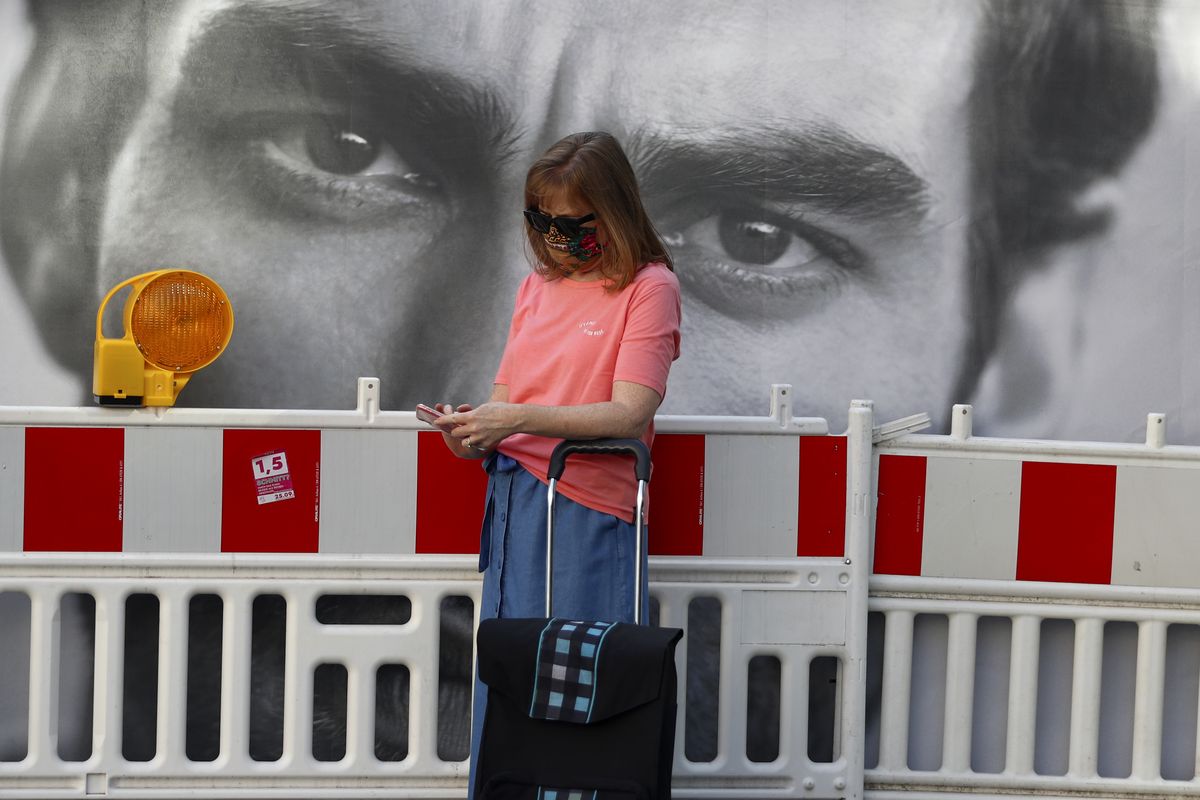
[[568, 341]]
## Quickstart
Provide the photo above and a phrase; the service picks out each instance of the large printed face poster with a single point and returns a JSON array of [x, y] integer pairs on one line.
[[920, 202]]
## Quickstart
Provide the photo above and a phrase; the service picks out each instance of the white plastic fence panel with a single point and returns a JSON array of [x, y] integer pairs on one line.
[[162, 509], [1036, 619], [107, 767], [1088, 692]]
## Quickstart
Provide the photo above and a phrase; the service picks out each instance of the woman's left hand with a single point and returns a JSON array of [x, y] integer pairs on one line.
[[485, 427]]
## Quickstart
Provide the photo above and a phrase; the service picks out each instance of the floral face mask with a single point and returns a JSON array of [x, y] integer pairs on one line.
[[567, 232], [585, 247]]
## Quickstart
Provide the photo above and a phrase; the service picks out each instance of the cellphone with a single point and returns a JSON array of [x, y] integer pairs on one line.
[[427, 414]]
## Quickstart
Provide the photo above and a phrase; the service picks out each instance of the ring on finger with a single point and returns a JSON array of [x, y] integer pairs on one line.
[[467, 441]]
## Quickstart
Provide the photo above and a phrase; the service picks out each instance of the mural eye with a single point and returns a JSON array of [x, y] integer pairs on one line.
[[342, 151], [327, 145], [753, 240], [752, 262], [325, 165]]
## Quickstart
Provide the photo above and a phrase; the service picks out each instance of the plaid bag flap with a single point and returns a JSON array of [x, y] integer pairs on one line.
[[575, 671], [565, 678]]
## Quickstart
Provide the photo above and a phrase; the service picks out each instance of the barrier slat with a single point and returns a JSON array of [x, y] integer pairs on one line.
[[1148, 703], [731, 737], [297, 683], [110, 671], [43, 687], [235, 676], [360, 724], [172, 675], [1022, 695], [897, 680], [960, 692], [1085, 698]]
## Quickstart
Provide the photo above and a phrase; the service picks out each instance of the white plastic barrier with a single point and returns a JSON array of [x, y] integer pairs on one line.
[[1034, 617], [760, 525], [1038, 625], [1042, 690], [174, 581]]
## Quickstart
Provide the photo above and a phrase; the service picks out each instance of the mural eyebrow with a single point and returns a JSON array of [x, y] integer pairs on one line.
[[331, 54], [826, 168]]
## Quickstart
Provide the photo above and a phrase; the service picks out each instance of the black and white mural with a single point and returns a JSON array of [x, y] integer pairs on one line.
[[919, 202]]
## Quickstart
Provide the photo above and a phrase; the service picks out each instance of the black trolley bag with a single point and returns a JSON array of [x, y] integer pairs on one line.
[[578, 710]]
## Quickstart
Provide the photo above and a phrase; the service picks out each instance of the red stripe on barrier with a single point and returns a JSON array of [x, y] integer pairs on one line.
[[821, 523], [1066, 522], [450, 496], [259, 469], [677, 495], [900, 515], [74, 489]]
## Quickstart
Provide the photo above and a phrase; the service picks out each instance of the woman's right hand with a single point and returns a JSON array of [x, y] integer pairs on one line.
[[455, 446]]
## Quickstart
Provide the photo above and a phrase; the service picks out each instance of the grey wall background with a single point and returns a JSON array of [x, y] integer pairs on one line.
[[1104, 332]]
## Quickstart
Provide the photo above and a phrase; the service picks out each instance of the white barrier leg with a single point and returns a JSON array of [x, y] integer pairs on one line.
[[860, 509]]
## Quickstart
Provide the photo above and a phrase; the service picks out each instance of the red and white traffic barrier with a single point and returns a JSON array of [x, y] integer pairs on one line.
[[192, 489], [1066, 517]]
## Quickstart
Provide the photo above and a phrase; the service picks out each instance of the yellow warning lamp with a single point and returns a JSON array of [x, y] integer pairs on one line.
[[176, 322]]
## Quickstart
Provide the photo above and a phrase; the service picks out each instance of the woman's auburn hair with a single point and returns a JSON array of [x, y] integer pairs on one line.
[[592, 167]]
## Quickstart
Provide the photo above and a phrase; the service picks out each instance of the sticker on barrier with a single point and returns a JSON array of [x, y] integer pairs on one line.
[[271, 477]]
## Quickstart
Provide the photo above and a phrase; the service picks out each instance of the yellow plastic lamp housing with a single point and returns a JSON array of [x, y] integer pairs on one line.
[[176, 322]]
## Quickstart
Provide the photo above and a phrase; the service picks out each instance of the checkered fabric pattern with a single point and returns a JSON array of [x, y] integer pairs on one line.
[[566, 671], [546, 793]]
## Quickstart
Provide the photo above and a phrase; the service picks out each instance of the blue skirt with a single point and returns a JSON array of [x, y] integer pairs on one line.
[[593, 560]]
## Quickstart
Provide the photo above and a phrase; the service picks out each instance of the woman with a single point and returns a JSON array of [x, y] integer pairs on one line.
[[593, 334]]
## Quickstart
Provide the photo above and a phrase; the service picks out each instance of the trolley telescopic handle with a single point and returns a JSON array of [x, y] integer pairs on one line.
[[558, 462]]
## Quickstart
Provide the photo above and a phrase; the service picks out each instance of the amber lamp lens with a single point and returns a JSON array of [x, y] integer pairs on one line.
[[181, 321]]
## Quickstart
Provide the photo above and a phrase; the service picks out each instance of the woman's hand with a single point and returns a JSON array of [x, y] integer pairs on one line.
[[474, 432], [444, 424], [483, 428]]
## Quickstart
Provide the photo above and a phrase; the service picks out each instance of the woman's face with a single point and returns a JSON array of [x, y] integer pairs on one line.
[[561, 203]]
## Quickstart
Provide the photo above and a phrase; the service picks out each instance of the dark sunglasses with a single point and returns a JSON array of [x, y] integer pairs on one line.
[[567, 226]]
